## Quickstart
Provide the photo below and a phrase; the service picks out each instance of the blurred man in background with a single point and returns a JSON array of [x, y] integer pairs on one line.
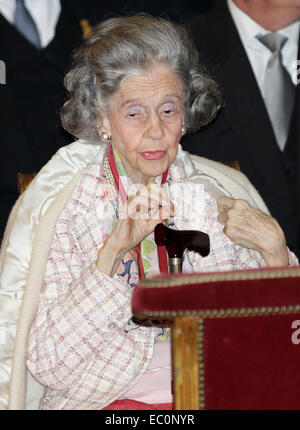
[[251, 47], [37, 39]]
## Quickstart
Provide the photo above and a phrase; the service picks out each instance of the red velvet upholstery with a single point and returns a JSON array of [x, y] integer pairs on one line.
[[134, 405], [250, 360]]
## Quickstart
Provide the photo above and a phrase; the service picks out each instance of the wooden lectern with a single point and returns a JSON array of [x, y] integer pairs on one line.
[[235, 343]]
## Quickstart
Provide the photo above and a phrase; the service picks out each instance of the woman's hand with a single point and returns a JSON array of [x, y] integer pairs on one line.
[[254, 229], [138, 218]]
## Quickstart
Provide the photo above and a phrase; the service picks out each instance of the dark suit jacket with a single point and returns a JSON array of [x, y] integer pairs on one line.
[[242, 130], [33, 95]]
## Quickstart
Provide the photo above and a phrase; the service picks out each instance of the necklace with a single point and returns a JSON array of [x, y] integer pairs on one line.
[[111, 183]]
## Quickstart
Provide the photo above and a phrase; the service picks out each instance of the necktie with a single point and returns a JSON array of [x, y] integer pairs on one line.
[[279, 90], [26, 25]]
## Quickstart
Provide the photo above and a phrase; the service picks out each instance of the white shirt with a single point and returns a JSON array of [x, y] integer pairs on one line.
[[258, 54], [45, 14]]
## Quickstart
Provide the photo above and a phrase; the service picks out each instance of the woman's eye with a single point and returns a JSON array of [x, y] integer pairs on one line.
[[134, 113], [168, 109]]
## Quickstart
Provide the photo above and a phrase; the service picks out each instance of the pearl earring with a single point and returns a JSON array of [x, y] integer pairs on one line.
[[183, 129], [105, 136]]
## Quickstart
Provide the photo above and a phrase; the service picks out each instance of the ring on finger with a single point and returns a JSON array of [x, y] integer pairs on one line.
[[152, 212]]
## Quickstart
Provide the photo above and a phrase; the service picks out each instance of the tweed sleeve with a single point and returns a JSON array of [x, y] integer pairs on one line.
[[80, 311], [224, 254], [83, 345], [201, 213]]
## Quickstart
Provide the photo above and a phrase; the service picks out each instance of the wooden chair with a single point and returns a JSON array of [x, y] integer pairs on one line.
[[235, 343], [234, 164], [23, 180]]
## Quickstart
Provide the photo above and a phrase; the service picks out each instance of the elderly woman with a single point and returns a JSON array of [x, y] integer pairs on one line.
[[88, 218]]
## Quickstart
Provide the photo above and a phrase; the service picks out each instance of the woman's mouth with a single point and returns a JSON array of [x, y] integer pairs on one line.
[[153, 155]]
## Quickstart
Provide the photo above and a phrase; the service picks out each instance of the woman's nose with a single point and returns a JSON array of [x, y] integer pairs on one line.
[[155, 127]]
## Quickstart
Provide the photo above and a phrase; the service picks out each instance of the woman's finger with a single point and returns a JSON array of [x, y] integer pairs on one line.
[[222, 218], [225, 203]]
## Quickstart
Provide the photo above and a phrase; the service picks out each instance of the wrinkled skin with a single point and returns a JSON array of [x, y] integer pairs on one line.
[[253, 229]]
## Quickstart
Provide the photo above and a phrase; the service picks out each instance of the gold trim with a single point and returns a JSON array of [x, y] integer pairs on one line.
[[224, 313], [173, 281], [200, 342]]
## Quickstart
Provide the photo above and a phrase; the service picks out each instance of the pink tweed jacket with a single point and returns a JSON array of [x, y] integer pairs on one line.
[[83, 346]]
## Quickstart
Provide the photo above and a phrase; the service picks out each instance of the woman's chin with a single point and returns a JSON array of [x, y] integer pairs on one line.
[[155, 168]]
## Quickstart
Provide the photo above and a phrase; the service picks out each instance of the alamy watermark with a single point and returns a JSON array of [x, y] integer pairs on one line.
[[296, 334], [2, 72], [143, 204]]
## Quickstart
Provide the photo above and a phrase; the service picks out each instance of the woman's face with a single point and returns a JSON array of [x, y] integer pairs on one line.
[[145, 121]]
